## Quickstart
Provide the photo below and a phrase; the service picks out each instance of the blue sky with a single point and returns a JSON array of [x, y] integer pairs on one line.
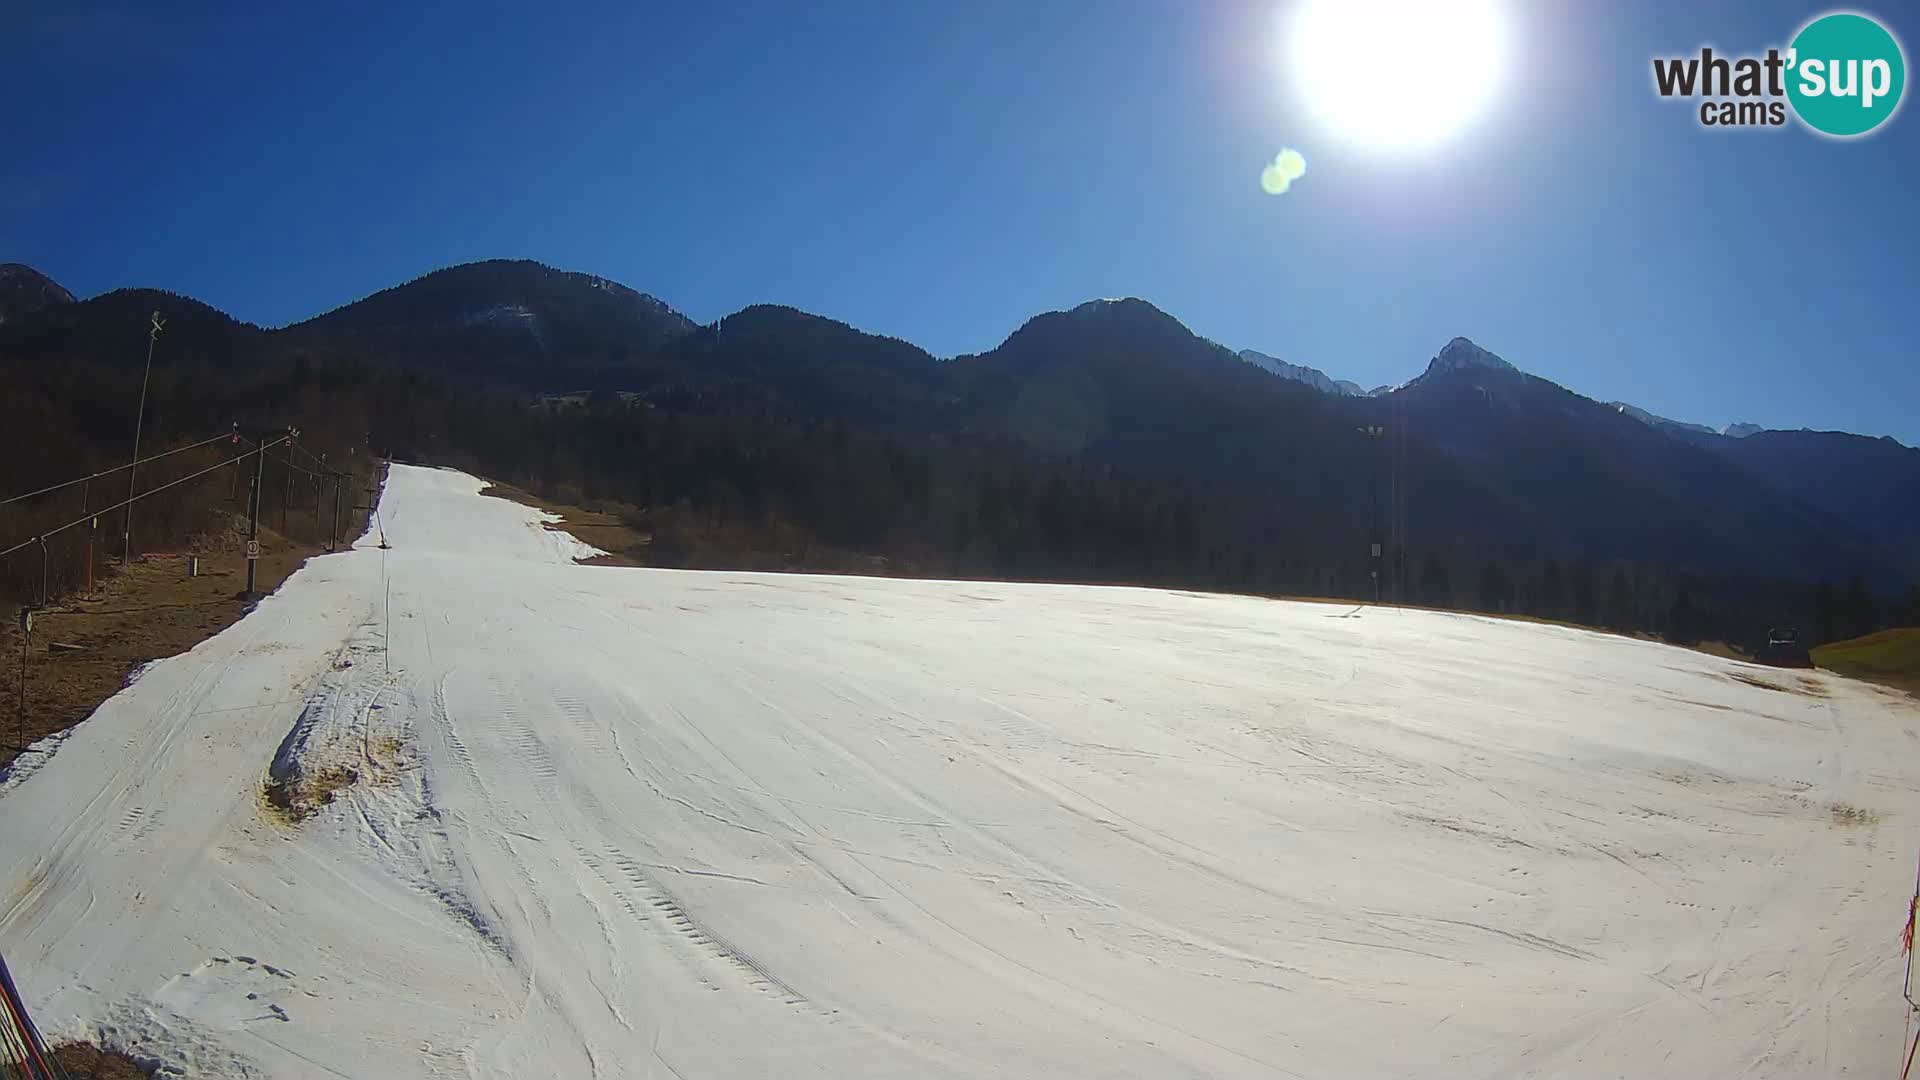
[[941, 172]]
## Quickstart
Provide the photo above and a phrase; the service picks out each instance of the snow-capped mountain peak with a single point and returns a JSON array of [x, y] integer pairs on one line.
[[1300, 373], [1732, 431], [1656, 420]]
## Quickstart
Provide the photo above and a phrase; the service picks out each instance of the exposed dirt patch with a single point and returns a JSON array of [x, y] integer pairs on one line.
[[299, 800], [604, 530], [1757, 681], [1721, 649], [84, 1061], [389, 753], [1784, 683], [1847, 816]]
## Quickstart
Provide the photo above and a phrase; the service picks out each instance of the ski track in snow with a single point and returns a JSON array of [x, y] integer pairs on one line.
[[615, 822]]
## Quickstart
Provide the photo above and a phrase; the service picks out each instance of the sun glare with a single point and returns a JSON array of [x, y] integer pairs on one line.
[[1396, 73]]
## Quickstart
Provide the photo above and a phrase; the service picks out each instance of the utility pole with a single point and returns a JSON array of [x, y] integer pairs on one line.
[[1400, 494], [139, 421], [253, 515], [1374, 432], [333, 538], [263, 440], [26, 645], [288, 499], [93, 527]]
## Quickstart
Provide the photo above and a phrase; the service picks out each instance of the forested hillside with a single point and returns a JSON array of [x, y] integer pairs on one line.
[[1106, 444]]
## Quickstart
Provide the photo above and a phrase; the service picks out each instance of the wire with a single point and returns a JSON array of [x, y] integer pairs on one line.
[[288, 462], [264, 447], [319, 463], [325, 469], [117, 468]]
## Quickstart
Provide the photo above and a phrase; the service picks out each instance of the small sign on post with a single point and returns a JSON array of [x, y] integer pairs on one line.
[[253, 549], [26, 619]]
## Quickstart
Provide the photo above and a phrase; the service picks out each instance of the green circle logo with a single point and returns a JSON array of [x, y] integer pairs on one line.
[[1845, 74]]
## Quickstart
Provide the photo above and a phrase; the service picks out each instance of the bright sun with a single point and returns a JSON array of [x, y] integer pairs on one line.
[[1396, 73]]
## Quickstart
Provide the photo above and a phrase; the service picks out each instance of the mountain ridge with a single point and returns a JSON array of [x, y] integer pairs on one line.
[[1300, 373], [24, 291], [1483, 449], [1460, 351]]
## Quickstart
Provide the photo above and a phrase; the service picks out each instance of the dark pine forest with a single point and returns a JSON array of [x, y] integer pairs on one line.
[[1105, 444]]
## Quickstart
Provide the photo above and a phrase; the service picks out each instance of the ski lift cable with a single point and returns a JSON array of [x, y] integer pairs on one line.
[[117, 468], [150, 491]]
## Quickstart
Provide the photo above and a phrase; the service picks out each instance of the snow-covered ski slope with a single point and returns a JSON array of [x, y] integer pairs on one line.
[[625, 823]]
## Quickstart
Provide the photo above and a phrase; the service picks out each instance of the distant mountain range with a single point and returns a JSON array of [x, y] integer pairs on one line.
[[1461, 357], [1313, 377], [1480, 450], [1737, 431]]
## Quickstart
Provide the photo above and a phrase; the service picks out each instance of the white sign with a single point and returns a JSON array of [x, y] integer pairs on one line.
[[253, 549]]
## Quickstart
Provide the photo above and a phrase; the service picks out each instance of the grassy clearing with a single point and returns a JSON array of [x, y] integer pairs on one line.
[[149, 611], [603, 528], [84, 648], [1889, 657]]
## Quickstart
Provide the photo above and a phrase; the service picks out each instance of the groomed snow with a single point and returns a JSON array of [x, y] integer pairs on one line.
[[613, 822]]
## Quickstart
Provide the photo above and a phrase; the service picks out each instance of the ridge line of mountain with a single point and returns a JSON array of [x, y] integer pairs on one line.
[[25, 292]]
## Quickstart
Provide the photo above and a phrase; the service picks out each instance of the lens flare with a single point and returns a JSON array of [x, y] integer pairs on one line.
[[1286, 167]]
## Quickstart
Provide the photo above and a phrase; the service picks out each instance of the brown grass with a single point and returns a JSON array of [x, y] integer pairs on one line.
[[1720, 649], [84, 1061], [1888, 657], [299, 800], [1845, 816], [149, 611], [624, 544]]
